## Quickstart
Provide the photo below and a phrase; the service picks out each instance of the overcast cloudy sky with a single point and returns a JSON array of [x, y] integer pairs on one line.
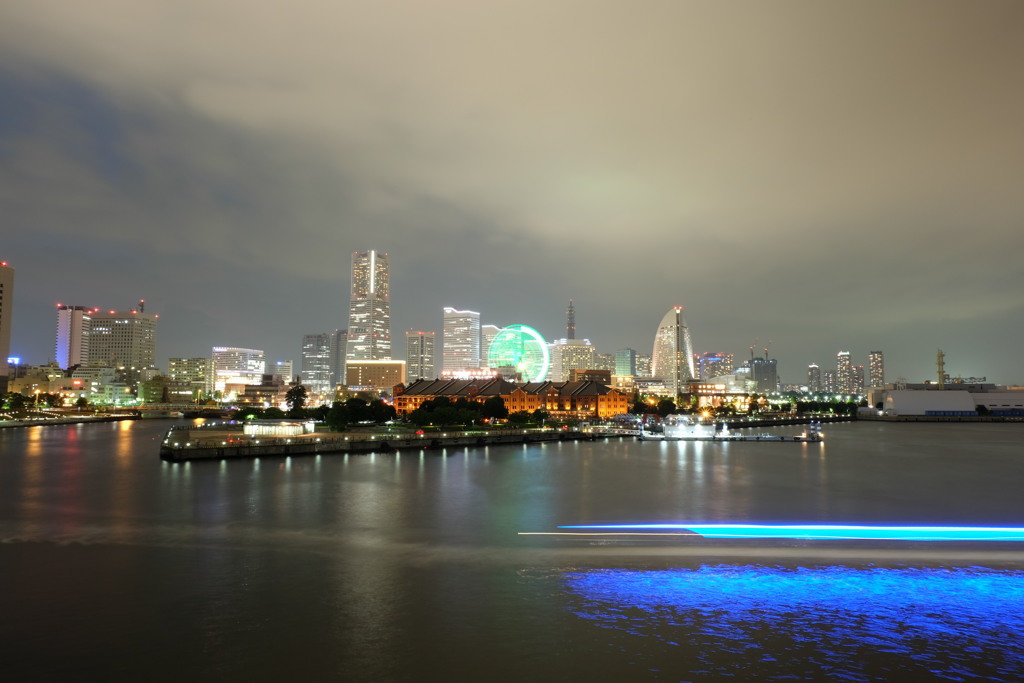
[[824, 176]]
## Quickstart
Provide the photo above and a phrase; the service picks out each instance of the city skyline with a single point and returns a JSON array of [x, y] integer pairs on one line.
[[825, 177]]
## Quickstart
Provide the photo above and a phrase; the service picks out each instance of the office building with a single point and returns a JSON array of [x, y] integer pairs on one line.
[[625, 363], [197, 372], [73, 325], [711, 365], [317, 374], [6, 301], [419, 355], [568, 355], [876, 369], [487, 335], [339, 343], [643, 365], [235, 366], [377, 375], [369, 318], [672, 357], [460, 348], [764, 374], [125, 341], [285, 370]]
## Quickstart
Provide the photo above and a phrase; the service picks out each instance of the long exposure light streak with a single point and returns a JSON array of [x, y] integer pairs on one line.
[[820, 531]]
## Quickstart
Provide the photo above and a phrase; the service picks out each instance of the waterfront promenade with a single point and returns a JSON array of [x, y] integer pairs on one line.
[[184, 443]]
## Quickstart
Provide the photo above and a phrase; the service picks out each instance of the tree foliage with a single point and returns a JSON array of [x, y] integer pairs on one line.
[[666, 407], [296, 400], [443, 412]]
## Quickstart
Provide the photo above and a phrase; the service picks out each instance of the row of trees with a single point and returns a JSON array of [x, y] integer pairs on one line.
[[443, 411]]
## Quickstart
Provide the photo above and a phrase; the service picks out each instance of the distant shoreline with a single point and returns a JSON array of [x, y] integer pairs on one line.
[[78, 419]]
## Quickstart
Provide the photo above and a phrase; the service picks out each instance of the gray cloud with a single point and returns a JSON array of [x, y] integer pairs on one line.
[[823, 176]]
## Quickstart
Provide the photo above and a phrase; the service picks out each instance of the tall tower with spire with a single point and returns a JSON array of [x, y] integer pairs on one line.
[[570, 321]]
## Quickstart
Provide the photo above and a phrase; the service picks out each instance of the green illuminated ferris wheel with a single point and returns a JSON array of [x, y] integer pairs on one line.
[[520, 347]]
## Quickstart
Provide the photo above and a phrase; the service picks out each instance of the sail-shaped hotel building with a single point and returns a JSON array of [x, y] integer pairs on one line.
[[672, 359]]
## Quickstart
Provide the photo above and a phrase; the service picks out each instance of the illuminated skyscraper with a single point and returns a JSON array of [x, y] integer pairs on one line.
[[369, 317], [461, 341], [844, 373], [73, 325], [419, 355], [814, 383], [672, 358], [315, 368], [876, 369], [6, 299], [124, 340]]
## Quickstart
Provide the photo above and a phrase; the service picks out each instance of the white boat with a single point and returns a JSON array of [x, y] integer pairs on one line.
[[687, 428], [693, 428]]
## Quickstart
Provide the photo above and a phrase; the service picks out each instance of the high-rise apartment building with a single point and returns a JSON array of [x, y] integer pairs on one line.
[[672, 358], [197, 372], [713, 365], [315, 369], [844, 373], [625, 362], [73, 326], [419, 355], [6, 300], [828, 382], [814, 384], [876, 369], [125, 341], [233, 365], [857, 380], [369, 317], [460, 341]]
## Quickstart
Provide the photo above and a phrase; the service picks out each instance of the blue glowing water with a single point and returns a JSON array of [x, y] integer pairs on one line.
[[822, 531], [949, 623]]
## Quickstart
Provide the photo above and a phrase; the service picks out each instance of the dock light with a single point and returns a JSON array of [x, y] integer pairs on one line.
[[821, 532]]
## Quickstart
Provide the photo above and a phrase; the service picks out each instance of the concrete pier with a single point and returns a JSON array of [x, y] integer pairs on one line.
[[182, 444]]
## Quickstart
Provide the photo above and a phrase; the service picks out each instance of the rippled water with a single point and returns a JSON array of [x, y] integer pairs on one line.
[[411, 566]]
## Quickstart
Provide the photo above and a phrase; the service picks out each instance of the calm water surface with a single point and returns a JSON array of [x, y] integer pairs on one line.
[[410, 566]]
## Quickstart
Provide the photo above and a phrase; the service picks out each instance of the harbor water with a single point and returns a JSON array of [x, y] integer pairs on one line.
[[439, 565]]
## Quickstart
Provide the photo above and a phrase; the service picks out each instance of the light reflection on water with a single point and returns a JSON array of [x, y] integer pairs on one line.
[[850, 623]]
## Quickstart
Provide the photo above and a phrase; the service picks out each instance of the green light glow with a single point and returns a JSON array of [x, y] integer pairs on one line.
[[520, 347]]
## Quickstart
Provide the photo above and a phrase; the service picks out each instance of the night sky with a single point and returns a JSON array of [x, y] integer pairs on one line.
[[822, 176]]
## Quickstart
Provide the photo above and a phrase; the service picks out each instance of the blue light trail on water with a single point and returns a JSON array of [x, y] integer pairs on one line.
[[821, 531], [834, 622]]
